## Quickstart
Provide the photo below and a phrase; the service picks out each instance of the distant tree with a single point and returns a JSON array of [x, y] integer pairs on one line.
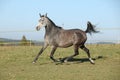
[[25, 42]]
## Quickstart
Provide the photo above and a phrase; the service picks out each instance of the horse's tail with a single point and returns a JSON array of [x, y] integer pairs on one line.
[[90, 28]]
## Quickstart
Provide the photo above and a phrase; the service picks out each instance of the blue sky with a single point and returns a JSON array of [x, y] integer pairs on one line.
[[22, 15]]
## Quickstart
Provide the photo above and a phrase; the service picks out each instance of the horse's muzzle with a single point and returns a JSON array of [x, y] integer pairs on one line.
[[37, 28]]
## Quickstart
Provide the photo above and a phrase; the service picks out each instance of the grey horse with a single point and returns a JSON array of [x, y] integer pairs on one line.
[[56, 36]]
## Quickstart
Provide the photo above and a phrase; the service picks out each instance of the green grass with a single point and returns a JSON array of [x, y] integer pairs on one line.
[[16, 64]]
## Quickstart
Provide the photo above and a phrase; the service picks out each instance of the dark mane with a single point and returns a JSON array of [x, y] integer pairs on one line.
[[59, 27], [53, 23]]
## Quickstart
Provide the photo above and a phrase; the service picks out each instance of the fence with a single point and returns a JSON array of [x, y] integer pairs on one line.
[[30, 42]]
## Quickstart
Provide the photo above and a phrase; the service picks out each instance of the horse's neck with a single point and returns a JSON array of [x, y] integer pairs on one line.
[[51, 29]]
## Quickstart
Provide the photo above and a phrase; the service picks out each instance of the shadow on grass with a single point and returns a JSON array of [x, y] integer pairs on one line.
[[80, 60], [74, 60], [85, 59]]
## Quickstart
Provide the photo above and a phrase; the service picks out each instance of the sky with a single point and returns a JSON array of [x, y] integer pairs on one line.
[[20, 17]]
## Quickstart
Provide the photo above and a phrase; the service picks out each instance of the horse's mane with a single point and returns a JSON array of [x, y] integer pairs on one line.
[[54, 23], [51, 21], [59, 27]]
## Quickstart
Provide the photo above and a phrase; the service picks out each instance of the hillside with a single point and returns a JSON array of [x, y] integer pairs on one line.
[[8, 40], [5, 41]]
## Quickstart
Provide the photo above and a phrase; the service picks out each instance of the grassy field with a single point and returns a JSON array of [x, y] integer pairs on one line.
[[16, 64]]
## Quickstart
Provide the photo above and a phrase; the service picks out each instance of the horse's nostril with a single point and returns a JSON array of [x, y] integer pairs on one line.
[[37, 28]]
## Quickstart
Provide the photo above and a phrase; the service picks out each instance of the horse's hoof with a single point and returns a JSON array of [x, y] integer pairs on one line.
[[33, 62], [91, 61], [65, 61]]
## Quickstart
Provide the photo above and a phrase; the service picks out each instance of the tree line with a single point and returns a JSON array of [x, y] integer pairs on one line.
[[22, 42]]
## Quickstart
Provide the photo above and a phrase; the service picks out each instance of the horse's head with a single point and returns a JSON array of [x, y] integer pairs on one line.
[[42, 22]]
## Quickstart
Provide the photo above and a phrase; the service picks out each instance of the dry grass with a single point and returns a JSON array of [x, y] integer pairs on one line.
[[16, 64]]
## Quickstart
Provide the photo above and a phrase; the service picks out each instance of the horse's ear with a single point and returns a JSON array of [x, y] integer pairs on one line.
[[46, 15], [40, 15]]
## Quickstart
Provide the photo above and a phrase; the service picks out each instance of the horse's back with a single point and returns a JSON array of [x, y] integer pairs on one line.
[[78, 32], [70, 37], [79, 36]]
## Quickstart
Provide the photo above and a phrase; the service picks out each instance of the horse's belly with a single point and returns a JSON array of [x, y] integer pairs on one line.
[[65, 44]]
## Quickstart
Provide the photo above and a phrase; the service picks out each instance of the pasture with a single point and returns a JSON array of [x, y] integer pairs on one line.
[[16, 64]]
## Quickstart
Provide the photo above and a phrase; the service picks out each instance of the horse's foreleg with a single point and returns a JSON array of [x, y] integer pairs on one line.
[[42, 49], [52, 53], [88, 53]]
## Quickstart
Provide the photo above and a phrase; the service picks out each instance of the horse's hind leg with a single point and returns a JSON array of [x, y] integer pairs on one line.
[[76, 52], [88, 53]]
